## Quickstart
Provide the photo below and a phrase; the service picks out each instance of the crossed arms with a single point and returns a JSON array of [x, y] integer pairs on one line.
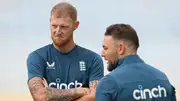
[[40, 92]]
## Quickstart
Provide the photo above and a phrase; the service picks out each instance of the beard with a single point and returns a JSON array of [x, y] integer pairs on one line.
[[60, 42], [112, 66]]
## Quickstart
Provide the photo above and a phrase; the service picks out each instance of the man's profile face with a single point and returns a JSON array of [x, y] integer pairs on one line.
[[62, 29], [110, 52]]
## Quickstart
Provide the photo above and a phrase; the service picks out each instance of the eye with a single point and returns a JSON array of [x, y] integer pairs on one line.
[[105, 48], [54, 26], [63, 26]]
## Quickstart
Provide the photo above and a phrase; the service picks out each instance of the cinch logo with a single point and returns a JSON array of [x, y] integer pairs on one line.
[[140, 93], [60, 85]]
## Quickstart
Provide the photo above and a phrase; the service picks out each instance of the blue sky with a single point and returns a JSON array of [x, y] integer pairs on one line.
[[25, 27]]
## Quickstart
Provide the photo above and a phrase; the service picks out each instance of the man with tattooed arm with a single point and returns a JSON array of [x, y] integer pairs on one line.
[[70, 71]]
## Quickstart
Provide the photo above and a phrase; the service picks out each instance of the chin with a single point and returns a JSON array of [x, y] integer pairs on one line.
[[58, 43], [111, 67]]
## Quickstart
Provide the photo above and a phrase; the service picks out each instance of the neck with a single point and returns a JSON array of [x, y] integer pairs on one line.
[[128, 53], [131, 53], [66, 47]]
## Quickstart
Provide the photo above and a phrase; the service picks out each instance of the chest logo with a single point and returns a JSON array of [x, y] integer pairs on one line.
[[82, 66], [50, 66]]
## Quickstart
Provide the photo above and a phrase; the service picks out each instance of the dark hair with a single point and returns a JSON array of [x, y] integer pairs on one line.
[[123, 32], [64, 9]]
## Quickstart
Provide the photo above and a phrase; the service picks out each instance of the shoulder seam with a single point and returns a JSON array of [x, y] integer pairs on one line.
[[39, 56]]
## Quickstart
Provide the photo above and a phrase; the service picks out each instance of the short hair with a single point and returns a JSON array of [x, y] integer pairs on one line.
[[64, 9], [123, 32]]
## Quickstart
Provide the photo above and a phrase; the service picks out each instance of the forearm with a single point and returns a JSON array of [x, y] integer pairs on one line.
[[53, 94], [92, 91], [37, 89], [41, 93]]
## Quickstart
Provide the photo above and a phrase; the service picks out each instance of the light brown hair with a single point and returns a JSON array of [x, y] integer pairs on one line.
[[64, 9]]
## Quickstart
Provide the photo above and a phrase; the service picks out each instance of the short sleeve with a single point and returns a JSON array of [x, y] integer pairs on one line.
[[35, 65], [107, 89], [96, 69]]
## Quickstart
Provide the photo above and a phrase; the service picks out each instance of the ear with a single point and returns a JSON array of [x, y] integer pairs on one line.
[[121, 48], [76, 25]]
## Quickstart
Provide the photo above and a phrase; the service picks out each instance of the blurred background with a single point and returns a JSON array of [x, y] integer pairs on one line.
[[24, 27]]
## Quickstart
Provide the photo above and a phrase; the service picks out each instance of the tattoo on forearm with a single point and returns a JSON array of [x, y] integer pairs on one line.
[[38, 89], [87, 91], [90, 92], [93, 84], [53, 94], [35, 84]]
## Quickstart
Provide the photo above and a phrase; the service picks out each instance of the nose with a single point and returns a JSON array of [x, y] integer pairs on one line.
[[102, 54], [58, 29]]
